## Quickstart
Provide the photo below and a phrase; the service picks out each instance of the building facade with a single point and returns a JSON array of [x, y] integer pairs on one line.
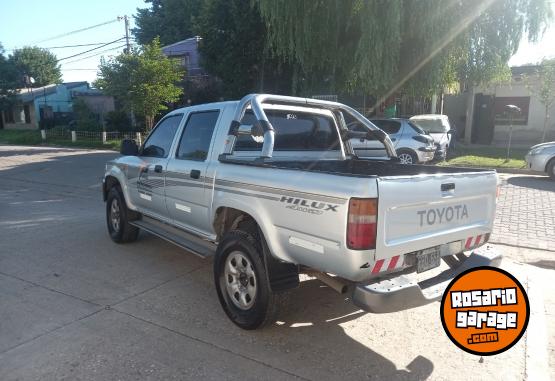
[[187, 52], [51, 104], [481, 115]]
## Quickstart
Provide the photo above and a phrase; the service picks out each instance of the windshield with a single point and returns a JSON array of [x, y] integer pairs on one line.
[[417, 128], [431, 125]]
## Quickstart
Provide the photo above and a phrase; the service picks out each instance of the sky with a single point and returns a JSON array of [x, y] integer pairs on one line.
[[37, 22], [31, 22]]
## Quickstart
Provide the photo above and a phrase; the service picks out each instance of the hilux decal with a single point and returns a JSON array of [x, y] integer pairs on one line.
[[308, 206]]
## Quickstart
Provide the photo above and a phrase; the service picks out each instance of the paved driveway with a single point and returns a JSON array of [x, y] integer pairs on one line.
[[74, 305], [526, 212]]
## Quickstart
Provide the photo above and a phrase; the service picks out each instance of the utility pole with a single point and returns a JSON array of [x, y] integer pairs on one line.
[[128, 51], [127, 43], [126, 20]]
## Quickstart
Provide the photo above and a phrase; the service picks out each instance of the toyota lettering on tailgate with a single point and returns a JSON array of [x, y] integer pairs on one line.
[[435, 216]]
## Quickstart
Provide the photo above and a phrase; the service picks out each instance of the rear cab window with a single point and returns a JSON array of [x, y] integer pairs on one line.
[[294, 131]]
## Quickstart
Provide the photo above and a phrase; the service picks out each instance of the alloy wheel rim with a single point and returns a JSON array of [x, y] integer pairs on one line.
[[405, 158], [240, 280], [115, 215]]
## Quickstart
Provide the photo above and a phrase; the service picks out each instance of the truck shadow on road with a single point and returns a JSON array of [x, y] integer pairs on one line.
[[542, 183], [328, 321]]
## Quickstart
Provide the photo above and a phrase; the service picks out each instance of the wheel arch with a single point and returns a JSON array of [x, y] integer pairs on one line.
[[549, 162], [109, 182], [282, 275], [410, 151]]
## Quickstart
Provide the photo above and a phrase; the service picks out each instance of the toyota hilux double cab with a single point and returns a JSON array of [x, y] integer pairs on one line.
[[270, 187]]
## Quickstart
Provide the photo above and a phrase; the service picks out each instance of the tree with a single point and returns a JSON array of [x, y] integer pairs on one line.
[[232, 47], [143, 80], [542, 84], [420, 46], [37, 63], [8, 80], [171, 20]]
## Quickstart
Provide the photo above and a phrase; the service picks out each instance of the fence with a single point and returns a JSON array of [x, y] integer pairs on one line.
[[93, 137]]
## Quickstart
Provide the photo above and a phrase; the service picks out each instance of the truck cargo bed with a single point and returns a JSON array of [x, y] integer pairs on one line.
[[356, 167]]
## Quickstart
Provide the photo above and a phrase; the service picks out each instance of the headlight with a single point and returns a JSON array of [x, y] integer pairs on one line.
[[536, 151]]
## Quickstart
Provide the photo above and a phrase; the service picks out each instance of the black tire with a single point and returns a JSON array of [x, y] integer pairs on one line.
[[266, 303], [123, 231], [551, 169], [409, 153]]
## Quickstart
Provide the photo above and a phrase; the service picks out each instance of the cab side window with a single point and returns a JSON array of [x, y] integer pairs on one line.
[[160, 140], [197, 134]]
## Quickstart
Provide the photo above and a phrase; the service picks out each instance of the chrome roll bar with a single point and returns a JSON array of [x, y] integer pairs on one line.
[[255, 101]]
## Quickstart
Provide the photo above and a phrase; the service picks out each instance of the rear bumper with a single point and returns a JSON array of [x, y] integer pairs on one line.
[[425, 154], [401, 293]]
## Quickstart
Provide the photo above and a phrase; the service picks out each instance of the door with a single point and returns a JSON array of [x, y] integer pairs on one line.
[[149, 194], [187, 199], [482, 128]]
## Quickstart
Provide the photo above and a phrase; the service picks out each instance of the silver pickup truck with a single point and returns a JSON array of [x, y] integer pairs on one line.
[[271, 188]]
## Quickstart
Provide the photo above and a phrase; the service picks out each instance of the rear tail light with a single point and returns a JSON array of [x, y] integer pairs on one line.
[[361, 224]]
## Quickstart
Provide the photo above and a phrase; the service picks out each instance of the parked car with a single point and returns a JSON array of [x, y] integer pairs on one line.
[[541, 158], [439, 128], [268, 187], [411, 143]]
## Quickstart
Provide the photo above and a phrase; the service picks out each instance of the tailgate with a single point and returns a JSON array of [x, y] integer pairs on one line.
[[423, 211]]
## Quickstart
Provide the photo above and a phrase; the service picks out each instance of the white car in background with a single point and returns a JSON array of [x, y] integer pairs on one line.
[[439, 128], [541, 158], [412, 144]]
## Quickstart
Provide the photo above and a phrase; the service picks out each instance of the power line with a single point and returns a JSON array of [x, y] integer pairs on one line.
[[90, 50], [96, 54], [74, 46], [78, 31]]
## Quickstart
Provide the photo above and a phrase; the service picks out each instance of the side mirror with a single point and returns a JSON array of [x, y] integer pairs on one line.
[[129, 148], [451, 131]]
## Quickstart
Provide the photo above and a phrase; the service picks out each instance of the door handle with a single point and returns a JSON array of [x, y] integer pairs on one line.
[[195, 173], [158, 168]]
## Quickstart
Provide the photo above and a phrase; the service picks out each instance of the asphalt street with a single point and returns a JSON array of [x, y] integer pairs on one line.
[[76, 306]]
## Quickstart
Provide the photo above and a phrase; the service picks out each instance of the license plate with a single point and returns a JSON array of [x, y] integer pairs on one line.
[[428, 259]]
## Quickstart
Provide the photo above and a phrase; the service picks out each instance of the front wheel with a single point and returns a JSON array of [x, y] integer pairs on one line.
[[242, 282], [118, 217], [407, 157]]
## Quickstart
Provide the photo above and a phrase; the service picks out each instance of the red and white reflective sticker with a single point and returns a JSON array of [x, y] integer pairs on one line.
[[396, 262], [389, 264], [473, 242]]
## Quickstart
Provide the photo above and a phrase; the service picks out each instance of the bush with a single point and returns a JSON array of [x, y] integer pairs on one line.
[[85, 119], [118, 121]]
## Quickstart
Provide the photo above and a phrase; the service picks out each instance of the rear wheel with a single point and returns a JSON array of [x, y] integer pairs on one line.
[[242, 281], [118, 217], [407, 157], [551, 169]]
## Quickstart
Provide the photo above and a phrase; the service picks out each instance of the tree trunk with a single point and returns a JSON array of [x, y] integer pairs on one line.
[[545, 119]]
